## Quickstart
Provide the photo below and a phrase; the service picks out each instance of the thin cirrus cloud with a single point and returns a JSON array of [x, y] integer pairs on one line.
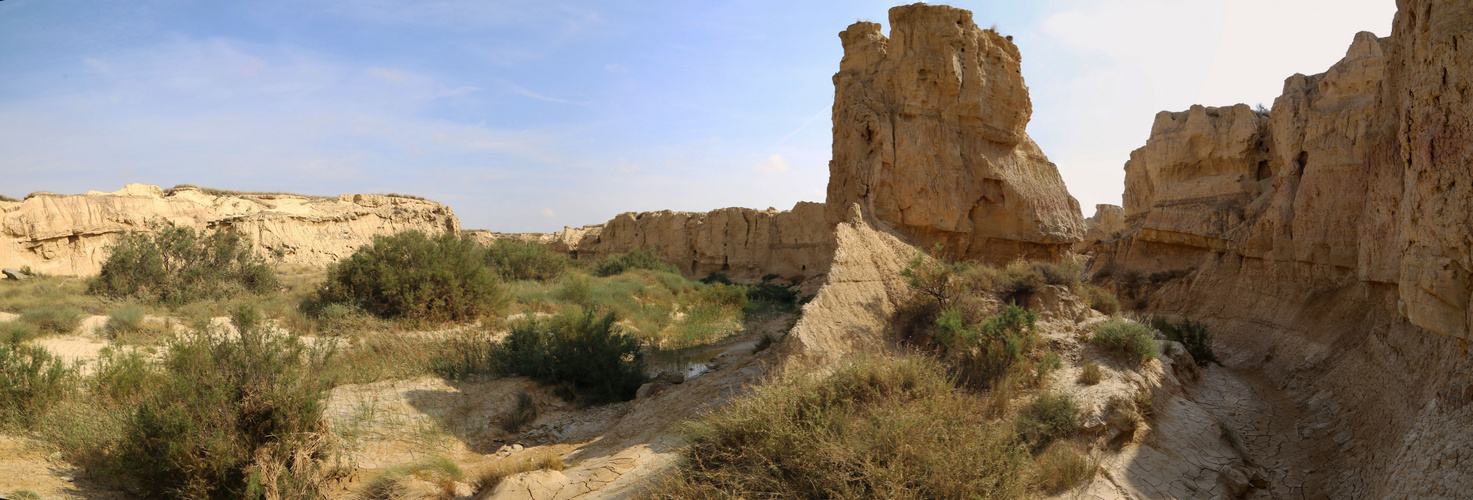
[[774, 164]]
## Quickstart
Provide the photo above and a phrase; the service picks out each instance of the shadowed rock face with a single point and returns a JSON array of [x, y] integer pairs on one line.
[[929, 137], [1329, 243], [70, 234]]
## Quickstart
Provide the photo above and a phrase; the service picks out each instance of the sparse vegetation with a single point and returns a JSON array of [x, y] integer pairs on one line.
[[872, 429], [934, 277], [392, 484], [1100, 299], [57, 320], [1090, 374], [15, 332], [176, 265], [523, 414], [1192, 334], [638, 258], [1064, 465], [492, 475], [1050, 416], [414, 276], [1127, 339]]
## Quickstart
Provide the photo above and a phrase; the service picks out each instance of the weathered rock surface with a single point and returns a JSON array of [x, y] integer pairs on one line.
[[70, 234], [1108, 223], [929, 137], [1329, 244], [741, 242]]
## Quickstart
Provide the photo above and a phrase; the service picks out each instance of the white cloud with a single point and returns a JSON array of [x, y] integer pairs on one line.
[[547, 213], [774, 164]]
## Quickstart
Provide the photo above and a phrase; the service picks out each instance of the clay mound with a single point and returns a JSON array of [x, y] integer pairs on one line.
[[70, 234]]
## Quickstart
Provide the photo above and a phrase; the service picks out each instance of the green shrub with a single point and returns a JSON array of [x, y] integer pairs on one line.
[[252, 427], [1192, 334], [15, 332], [524, 260], [126, 319], [995, 345], [1128, 339], [580, 348], [411, 275], [769, 294], [176, 265], [122, 376], [1051, 415], [873, 429], [58, 320], [31, 380], [1100, 299], [715, 277], [638, 258], [934, 277]]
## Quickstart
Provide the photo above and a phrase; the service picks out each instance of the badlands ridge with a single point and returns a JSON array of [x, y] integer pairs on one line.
[[1328, 242]]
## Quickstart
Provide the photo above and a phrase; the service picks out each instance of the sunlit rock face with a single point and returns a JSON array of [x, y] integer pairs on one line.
[[929, 137], [70, 234]]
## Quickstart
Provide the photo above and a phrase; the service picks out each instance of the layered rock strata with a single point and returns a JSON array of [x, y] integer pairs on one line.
[[929, 137], [740, 242], [1328, 243], [70, 234]]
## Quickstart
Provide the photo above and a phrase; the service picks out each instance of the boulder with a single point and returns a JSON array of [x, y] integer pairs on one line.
[[14, 274]]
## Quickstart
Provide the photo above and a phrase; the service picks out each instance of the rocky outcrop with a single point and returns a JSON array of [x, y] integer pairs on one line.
[[929, 137], [70, 234], [1108, 223], [740, 242], [1329, 243]]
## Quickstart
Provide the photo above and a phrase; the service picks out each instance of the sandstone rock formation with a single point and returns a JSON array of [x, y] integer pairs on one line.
[[70, 234], [929, 137], [741, 242], [1107, 224], [1328, 244]]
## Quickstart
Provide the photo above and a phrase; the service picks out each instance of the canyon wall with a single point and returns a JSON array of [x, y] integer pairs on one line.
[[929, 137], [1328, 244], [70, 234]]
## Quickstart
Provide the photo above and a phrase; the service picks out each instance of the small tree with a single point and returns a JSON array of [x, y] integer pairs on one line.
[[934, 277]]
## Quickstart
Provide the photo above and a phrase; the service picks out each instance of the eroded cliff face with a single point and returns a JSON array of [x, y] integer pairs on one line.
[[1328, 244], [70, 234], [740, 242], [929, 137]]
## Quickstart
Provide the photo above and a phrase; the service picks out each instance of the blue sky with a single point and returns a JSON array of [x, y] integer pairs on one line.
[[528, 115]]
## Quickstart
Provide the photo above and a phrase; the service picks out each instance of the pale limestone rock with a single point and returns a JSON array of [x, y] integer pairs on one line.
[[929, 137], [70, 234]]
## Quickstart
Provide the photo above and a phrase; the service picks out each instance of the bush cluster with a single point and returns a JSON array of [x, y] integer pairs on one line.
[[57, 319], [872, 429], [984, 351], [176, 265], [1100, 299], [516, 260], [638, 258], [1192, 334], [1128, 339], [415, 276], [253, 425], [582, 349], [1050, 416]]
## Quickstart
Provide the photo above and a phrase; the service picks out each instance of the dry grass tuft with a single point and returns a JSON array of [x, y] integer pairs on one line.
[[1064, 465], [531, 460], [1091, 374]]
